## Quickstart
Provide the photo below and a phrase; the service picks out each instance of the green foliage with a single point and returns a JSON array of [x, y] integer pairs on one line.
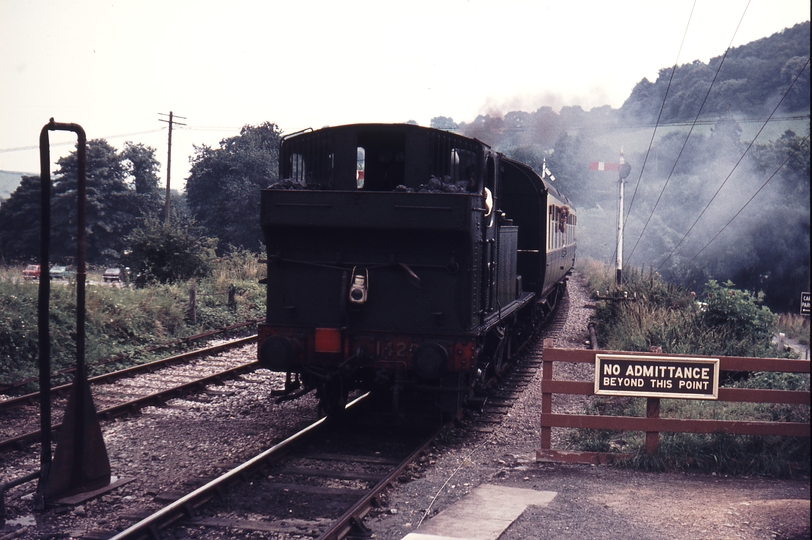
[[121, 321], [224, 184], [167, 253], [721, 321], [737, 314], [718, 453], [113, 205], [121, 187], [748, 80], [143, 167], [443, 122], [677, 170], [18, 330], [19, 221]]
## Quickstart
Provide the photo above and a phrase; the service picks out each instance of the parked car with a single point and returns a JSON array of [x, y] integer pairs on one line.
[[31, 272], [61, 272], [115, 275]]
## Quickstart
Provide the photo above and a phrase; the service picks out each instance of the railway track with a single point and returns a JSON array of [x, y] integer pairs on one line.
[[126, 391], [311, 479], [15, 387], [320, 482]]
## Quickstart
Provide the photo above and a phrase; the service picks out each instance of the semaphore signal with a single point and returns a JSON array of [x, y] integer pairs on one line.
[[623, 169]]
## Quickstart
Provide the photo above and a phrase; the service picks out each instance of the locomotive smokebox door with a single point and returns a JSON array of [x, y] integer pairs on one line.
[[359, 283]]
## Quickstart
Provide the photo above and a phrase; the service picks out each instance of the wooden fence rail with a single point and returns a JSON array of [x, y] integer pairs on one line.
[[652, 424]]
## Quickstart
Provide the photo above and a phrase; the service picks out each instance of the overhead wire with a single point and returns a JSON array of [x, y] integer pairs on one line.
[[66, 143], [656, 124], [690, 131], [749, 146], [659, 115]]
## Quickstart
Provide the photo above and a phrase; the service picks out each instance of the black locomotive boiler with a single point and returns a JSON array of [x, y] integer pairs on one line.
[[405, 259]]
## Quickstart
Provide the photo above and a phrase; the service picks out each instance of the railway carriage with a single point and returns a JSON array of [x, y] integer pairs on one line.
[[405, 260]]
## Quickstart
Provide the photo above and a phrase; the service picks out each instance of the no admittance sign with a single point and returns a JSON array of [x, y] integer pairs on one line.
[[656, 376]]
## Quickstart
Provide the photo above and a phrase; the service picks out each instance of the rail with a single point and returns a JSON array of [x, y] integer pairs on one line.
[[118, 358], [187, 505], [652, 424]]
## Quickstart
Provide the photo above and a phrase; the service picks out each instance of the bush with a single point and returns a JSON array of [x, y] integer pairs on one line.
[[168, 253], [722, 321]]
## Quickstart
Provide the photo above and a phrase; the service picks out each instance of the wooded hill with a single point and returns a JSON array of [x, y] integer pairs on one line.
[[751, 80]]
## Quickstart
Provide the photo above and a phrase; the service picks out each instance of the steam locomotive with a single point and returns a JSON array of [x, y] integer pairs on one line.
[[405, 260]]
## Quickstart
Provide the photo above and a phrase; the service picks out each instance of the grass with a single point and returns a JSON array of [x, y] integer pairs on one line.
[[727, 322], [121, 322]]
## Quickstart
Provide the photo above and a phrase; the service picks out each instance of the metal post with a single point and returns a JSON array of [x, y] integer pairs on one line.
[[619, 259], [80, 462], [623, 172], [43, 308]]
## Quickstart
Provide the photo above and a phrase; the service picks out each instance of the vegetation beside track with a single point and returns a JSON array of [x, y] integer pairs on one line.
[[718, 319], [122, 322]]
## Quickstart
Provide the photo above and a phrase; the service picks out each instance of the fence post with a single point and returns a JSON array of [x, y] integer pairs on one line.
[[232, 300], [546, 398], [652, 437], [193, 303], [653, 411]]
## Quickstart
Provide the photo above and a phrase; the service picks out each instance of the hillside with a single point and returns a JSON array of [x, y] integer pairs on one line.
[[751, 80], [725, 198]]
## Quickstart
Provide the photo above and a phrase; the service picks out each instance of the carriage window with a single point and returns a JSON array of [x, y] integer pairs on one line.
[[360, 167], [550, 227]]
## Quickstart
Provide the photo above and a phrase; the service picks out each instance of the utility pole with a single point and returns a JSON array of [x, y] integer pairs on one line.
[[171, 122]]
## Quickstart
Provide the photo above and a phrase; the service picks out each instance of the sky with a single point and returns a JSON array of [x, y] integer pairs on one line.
[[117, 67]]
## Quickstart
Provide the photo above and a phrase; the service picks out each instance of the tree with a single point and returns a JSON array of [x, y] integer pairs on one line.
[[751, 81], [166, 253], [20, 221], [113, 202], [143, 168], [738, 317], [224, 184], [443, 122]]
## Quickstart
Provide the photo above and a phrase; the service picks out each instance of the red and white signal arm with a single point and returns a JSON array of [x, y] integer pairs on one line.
[[604, 166]]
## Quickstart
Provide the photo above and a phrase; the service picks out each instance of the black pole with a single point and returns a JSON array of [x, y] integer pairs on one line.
[[42, 315], [81, 459]]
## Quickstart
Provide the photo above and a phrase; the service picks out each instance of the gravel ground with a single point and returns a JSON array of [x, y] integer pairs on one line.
[[591, 502], [165, 450]]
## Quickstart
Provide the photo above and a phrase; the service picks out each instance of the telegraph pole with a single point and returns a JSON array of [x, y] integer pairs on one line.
[[171, 122]]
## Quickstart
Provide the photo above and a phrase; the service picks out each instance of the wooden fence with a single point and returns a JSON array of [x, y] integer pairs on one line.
[[652, 424]]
